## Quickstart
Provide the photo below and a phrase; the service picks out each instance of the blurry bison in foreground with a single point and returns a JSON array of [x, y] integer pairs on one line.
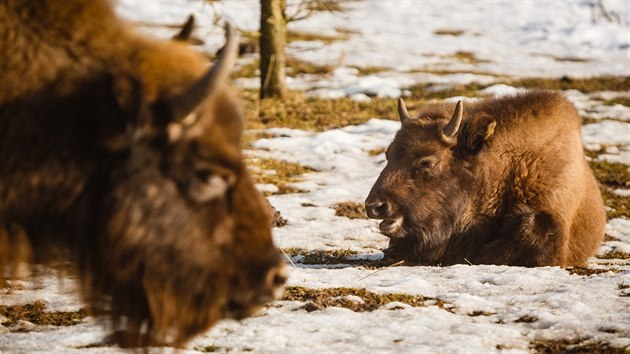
[[122, 154], [503, 181]]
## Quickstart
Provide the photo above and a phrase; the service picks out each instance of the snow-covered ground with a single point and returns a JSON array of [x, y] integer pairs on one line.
[[468, 308]]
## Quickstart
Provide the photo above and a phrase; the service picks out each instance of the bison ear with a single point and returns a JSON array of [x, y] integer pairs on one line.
[[129, 115], [186, 30], [477, 134]]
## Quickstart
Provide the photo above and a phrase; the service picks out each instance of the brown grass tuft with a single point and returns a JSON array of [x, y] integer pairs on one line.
[[36, 313], [284, 173], [307, 113], [448, 32], [350, 210], [615, 255], [327, 297], [573, 346], [586, 85], [293, 36]]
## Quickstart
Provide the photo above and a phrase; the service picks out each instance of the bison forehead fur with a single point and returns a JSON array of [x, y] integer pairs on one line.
[[503, 181], [121, 153]]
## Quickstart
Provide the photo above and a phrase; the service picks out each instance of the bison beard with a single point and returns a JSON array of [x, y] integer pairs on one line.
[[504, 181], [122, 154]]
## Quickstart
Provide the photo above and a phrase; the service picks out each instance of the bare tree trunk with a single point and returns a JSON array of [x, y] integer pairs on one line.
[[272, 43]]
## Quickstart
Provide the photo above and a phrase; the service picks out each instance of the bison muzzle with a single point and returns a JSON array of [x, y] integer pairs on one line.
[[122, 154], [503, 181]]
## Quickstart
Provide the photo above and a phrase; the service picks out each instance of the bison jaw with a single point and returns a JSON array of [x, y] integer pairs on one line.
[[392, 227]]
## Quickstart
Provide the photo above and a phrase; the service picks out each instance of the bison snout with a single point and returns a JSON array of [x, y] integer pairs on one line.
[[270, 287], [275, 280], [379, 209]]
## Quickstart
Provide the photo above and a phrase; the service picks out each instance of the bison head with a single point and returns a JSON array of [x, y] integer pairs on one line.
[[183, 237], [425, 191]]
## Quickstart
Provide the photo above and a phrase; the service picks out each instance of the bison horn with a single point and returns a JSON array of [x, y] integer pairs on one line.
[[450, 130], [186, 102], [402, 111]]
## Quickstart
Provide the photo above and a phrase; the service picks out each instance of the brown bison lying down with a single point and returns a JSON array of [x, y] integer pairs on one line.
[[503, 181], [121, 153]]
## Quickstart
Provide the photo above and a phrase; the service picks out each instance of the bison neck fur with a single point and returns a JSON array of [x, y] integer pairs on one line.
[[156, 210], [512, 186]]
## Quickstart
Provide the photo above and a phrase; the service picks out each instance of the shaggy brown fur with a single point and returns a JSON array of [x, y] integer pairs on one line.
[[511, 187], [157, 210]]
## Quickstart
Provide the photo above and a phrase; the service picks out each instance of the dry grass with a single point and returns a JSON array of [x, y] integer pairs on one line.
[[294, 67], [333, 257], [620, 205], [445, 72], [572, 59], [210, 349], [306, 113], [370, 70], [276, 172], [612, 175], [325, 6], [321, 298], [350, 210], [585, 271], [615, 255], [526, 319], [320, 257], [377, 151], [297, 66], [585, 85], [467, 57], [36, 313], [573, 346], [624, 101], [448, 32], [293, 36], [427, 91]]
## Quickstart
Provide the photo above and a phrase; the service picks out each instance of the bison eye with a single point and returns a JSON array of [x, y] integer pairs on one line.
[[208, 185], [424, 166], [426, 163]]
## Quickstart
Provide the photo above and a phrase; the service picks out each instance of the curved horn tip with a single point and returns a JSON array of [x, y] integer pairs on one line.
[[402, 111], [451, 129], [187, 101]]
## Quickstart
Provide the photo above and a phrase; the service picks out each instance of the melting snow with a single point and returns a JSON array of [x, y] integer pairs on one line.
[[487, 308]]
